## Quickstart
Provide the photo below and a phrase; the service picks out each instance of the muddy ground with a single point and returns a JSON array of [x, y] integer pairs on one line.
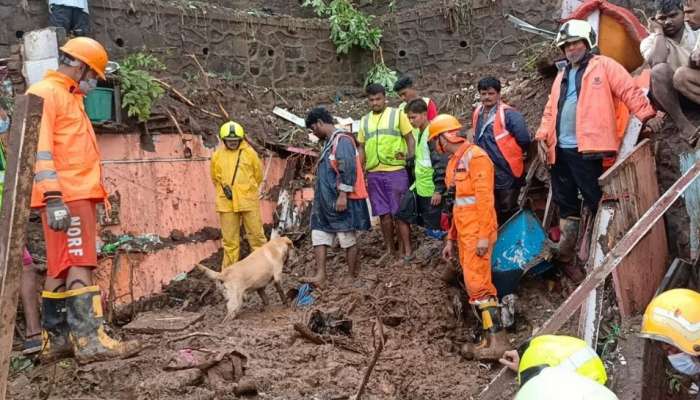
[[420, 359]]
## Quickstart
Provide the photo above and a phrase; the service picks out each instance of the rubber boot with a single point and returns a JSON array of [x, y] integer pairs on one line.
[[55, 333], [566, 248], [494, 340], [90, 341]]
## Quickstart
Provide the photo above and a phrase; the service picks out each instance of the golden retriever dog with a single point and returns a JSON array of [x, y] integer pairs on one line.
[[254, 272]]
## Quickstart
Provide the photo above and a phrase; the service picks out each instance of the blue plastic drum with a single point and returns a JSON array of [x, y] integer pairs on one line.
[[520, 241]]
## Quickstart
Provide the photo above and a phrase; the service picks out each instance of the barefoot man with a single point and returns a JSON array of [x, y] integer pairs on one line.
[[340, 198]]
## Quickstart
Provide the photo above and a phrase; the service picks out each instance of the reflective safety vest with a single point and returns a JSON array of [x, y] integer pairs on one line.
[[403, 105], [424, 185], [360, 189], [383, 140], [509, 147]]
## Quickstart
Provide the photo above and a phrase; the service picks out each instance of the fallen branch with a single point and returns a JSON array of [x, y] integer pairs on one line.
[[184, 99], [206, 82], [193, 334], [204, 73], [315, 338], [378, 347]]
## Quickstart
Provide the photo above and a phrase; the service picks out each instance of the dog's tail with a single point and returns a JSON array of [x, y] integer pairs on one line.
[[211, 274]]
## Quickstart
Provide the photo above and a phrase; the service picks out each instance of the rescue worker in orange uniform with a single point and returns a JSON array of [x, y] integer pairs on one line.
[[67, 187], [470, 176]]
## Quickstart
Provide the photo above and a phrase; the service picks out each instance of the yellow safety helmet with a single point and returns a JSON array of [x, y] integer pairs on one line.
[[231, 128], [564, 352], [673, 317]]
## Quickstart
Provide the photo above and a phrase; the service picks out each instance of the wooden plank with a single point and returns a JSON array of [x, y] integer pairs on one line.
[[589, 317], [522, 197], [494, 390], [692, 204], [290, 117], [19, 178], [631, 185], [158, 322], [548, 210]]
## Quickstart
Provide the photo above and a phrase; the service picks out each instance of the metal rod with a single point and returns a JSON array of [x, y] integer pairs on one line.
[[154, 160]]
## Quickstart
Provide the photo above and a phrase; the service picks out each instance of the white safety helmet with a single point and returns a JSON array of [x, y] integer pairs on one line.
[[556, 383], [575, 30]]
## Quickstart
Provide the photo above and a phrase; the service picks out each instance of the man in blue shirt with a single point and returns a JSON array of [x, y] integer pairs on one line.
[[502, 132], [339, 209]]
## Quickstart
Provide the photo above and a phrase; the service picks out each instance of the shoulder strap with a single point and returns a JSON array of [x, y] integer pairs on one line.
[[336, 139], [235, 170]]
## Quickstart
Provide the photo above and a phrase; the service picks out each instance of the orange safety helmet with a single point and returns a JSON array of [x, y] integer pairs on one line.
[[89, 51], [445, 124]]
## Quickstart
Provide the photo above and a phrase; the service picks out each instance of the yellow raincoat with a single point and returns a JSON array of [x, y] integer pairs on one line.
[[245, 205]]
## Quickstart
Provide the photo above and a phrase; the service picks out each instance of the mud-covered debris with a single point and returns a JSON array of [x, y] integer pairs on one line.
[[205, 359], [331, 323], [173, 381], [246, 388], [156, 322]]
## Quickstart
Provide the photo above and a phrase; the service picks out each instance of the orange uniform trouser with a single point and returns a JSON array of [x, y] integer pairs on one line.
[[76, 247], [477, 270]]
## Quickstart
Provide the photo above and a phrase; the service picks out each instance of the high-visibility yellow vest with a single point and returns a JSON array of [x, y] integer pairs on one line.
[[383, 140], [424, 185]]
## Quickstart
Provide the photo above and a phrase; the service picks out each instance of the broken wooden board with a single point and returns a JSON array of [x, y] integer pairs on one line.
[[157, 322], [692, 203], [630, 186], [589, 318], [19, 174], [284, 114], [505, 379]]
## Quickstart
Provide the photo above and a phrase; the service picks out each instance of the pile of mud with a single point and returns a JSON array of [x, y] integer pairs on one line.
[[420, 359]]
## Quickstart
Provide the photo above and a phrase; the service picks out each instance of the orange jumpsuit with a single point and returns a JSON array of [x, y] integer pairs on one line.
[[470, 172]]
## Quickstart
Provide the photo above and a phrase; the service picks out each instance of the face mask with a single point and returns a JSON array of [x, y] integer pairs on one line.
[[4, 125], [232, 144], [685, 363], [87, 86]]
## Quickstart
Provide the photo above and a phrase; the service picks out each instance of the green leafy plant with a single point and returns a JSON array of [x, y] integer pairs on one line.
[[610, 340], [383, 75], [139, 90], [349, 27]]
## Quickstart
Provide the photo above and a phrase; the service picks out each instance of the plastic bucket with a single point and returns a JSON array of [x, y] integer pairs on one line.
[[98, 104]]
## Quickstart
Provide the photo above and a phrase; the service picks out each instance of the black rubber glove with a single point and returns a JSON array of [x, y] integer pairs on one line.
[[227, 192], [57, 214]]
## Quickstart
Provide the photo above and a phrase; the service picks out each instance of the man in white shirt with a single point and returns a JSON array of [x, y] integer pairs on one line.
[[71, 15], [667, 50], [687, 78]]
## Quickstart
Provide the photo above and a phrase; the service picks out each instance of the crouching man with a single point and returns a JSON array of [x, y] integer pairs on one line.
[[470, 176], [339, 209]]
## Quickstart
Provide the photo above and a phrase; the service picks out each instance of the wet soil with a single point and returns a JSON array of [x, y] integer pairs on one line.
[[420, 359]]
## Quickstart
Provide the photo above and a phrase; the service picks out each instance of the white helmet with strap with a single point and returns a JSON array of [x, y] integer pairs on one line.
[[575, 30]]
